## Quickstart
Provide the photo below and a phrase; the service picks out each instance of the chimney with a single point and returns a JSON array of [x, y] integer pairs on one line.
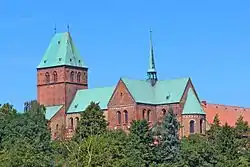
[[204, 103]]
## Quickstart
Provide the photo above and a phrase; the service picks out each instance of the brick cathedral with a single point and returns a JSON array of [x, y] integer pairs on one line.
[[62, 86]]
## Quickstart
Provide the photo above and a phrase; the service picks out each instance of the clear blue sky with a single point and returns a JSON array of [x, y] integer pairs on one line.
[[208, 41]]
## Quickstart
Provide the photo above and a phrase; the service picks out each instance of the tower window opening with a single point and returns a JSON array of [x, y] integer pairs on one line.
[[55, 76], [72, 76], [78, 77], [47, 77], [125, 116], [119, 119]]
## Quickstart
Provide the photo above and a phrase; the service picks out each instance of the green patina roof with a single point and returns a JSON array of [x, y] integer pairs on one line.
[[61, 51], [84, 97], [192, 104], [163, 92], [51, 111]]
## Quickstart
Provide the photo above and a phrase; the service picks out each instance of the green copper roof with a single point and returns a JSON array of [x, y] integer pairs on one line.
[[163, 92], [83, 98], [192, 105], [51, 111], [61, 51]]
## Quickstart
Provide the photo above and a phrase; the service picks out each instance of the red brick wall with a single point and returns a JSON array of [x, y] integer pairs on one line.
[[62, 91], [196, 118], [121, 101]]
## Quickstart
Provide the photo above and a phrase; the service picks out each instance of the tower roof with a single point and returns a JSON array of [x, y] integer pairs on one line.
[[61, 51]]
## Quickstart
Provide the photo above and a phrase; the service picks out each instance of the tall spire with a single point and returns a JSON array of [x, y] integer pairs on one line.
[[152, 74]]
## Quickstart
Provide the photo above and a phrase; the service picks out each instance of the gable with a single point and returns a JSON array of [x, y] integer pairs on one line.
[[192, 104], [61, 51], [85, 96], [121, 95], [164, 91]]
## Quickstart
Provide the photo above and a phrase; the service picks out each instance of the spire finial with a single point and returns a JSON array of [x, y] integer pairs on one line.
[[68, 27], [55, 29], [152, 74]]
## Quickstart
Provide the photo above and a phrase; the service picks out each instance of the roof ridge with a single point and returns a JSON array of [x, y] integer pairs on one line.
[[225, 105]]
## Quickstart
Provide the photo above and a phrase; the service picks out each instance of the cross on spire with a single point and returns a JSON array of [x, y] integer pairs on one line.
[[152, 74], [68, 27]]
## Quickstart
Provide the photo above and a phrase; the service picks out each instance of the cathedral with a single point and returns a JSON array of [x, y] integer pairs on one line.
[[62, 87]]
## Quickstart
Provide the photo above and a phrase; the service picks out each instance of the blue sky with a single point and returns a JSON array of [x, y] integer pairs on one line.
[[208, 41]]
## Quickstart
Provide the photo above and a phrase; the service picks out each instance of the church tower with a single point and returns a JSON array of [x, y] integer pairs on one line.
[[61, 72]]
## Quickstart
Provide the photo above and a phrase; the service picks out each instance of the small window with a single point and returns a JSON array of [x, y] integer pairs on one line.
[[164, 112], [148, 115], [47, 77], [60, 59], [143, 114], [71, 122], [58, 42], [201, 125], [126, 116], [119, 119], [72, 76], [55, 76], [70, 60], [191, 126], [78, 77], [79, 61], [57, 127]]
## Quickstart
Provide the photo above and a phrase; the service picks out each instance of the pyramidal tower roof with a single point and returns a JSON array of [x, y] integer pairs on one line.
[[61, 51]]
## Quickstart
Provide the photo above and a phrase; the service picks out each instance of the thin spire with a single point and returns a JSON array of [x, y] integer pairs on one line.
[[68, 27], [151, 56], [55, 29], [152, 74]]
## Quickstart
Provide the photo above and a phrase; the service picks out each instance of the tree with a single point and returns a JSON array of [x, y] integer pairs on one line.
[[92, 122], [107, 150], [168, 149], [27, 140], [241, 126], [139, 149]]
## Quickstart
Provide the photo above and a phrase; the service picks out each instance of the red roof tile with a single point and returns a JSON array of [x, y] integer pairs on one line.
[[226, 113]]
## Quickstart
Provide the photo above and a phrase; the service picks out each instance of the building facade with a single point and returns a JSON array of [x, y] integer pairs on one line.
[[62, 86]]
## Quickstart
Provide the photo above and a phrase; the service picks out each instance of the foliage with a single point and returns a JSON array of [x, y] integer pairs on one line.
[[168, 149], [92, 122]]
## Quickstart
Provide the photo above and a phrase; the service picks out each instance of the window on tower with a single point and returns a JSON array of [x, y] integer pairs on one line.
[[72, 76], [47, 77], [55, 76], [78, 77]]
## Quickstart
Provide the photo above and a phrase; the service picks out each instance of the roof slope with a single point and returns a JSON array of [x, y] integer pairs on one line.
[[84, 97], [192, 105], [163, 92], [226, 113], [51, 111], [61, 51]]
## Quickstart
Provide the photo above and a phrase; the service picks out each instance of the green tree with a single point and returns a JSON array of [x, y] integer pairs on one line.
[[168, 149], [27, 140], [105, 150], [92, 122], [139, 149], [241, 126]]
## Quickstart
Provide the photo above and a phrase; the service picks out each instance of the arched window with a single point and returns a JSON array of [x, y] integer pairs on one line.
[[119, 118], [78, 77], [55, 76], [144, 114], [191, 126], [71, 122], [125, 116], [57, 127], [164, 112], [148, 115], [77, 121], [47, 77], [72, 76], [201, 125]]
